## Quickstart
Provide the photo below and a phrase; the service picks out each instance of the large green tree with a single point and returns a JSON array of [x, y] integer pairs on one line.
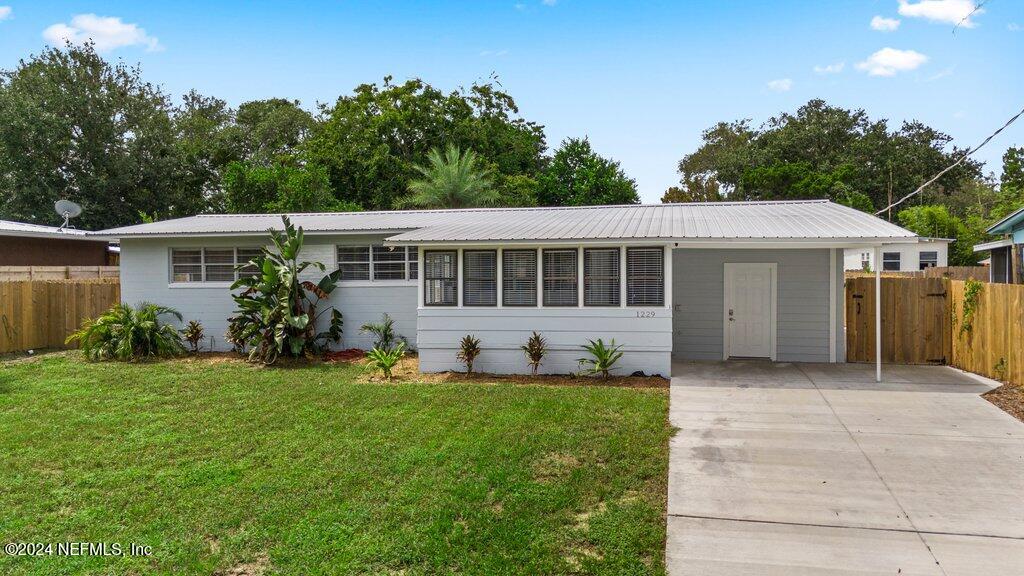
[[936, 222], [578, 176], [74, 126], [371, 141]]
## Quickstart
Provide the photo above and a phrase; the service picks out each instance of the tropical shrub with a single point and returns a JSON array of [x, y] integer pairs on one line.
[[193, 334], [602, 357], [384, 331], [469, 349], [535, 349], [126, 333], [277, 312], [385, 359]]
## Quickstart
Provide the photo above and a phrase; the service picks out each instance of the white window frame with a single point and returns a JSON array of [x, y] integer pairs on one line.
[[204, 283], [456, 279], [411, 266], [464, 278], [665, 284], [618, 277], [886, 259], [933, 261]]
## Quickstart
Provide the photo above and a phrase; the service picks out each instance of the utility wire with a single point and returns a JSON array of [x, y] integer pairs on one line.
[[951, 166]]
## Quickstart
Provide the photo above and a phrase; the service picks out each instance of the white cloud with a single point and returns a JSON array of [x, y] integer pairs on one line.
[[5, 13], [947, 11], [835, 68], [106, 32], [883, 24], [889, 61], [941, 74], [780, 85], [1013, 27]]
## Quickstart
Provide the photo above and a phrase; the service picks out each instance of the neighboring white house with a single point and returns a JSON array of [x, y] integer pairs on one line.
[[925, 253], [668, 282]]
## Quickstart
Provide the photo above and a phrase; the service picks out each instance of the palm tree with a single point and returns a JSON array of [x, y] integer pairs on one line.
[[452, 180]]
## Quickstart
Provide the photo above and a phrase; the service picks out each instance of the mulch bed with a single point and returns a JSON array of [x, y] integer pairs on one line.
[[1009, 397], [347, 355]]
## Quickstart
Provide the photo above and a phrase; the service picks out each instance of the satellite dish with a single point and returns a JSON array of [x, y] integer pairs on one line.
[[67, 210]]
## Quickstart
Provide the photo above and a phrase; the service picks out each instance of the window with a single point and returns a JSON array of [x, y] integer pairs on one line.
[[560, 280], [865, 260], [211, 264], [891, 261], [480, 278], [378, 262], [440, 287], [601, 277], [929, 260], [645, 277], [519, 277]]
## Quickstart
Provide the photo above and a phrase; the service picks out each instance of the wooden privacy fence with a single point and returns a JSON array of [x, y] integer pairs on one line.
[[41, 314], [979, 273], [10, 273], [915, 320], [993, 345]]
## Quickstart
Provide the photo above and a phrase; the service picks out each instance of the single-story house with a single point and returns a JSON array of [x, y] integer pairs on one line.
[[705, 281], [1006, 264], [926, 253], [23, 244]]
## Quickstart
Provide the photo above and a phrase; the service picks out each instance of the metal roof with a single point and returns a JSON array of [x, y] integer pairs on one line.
[[10, 228], [1006, 225], [781, 220]]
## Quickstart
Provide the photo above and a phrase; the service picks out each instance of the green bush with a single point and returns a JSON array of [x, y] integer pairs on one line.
[[602, 357], [385, 359], [384, 331], [469, 349], [127, 334], [193, 334], [277, 312]]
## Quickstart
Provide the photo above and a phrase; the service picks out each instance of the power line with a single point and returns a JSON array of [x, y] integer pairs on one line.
[[953, 165]]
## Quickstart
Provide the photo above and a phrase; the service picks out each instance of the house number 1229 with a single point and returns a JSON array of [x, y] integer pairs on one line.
[[645, 313]]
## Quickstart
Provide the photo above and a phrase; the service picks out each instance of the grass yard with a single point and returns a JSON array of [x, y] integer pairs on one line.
[[226, 468]]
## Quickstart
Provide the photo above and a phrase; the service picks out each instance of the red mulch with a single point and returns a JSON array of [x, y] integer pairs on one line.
[[1009, 397], [347, 355]]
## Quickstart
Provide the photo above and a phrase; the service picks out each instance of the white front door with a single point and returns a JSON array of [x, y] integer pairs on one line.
[[750, 311]]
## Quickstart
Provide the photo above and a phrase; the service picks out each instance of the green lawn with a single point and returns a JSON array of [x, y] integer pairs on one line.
[[306, 471]]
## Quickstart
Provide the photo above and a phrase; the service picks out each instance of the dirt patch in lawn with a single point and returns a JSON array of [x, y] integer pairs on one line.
[[1009, 397], [256, 567], [408, 370]]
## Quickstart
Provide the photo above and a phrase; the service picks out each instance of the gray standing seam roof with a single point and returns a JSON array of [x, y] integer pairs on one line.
[[779, 220]]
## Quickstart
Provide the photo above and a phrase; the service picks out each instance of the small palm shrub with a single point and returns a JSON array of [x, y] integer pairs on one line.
[[383, 331], [602, 357], [469, 349], [126, 333], [193, 334], [535, 349], [385, 359]]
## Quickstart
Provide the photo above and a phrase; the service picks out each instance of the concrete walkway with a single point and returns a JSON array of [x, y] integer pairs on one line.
[[815, 469]]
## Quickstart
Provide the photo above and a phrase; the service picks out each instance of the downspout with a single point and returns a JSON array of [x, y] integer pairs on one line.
[[878, 314]]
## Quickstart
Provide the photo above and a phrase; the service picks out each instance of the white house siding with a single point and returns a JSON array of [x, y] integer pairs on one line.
[[647, 341], [910, 255], [802, 309], [145, 276]]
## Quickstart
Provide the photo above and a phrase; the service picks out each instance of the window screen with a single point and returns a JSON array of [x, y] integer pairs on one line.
[[354, 262], [929, 259], [440, 287], [601, 277], [479, 278], [645, 276], [246, 255], [519, 277], [891, 261], [560, 280], [219, 264], [388, 263], [187, 265], [414, 264]]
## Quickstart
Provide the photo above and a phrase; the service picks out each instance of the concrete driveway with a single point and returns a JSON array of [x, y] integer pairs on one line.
[[801, 469]]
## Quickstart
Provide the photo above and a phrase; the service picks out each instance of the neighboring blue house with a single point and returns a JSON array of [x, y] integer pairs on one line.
[[1007, 266]]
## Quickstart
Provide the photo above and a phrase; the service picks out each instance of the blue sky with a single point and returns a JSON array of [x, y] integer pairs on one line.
[[641, 80]]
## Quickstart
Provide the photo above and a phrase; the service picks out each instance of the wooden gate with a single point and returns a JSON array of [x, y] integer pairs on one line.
[[915, 320]]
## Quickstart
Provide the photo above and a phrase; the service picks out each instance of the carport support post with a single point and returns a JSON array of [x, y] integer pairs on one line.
[[878, 314]]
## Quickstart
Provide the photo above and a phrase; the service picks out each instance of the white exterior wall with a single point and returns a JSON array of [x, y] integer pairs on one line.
[[910, 255], [645, 333], [145, 276]]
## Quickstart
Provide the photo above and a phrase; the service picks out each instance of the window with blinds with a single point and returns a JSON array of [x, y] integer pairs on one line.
[[211, 264], [560, 279], [645, 276], [601, 277], [479, 278], [519, 277], [378, 262], [440, 287]]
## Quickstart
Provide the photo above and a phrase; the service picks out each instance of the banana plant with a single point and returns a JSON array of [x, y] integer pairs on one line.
[[277, 311]]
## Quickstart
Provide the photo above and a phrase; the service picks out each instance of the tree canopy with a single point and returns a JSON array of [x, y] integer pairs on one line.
[[578, 176], [452, 180]]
